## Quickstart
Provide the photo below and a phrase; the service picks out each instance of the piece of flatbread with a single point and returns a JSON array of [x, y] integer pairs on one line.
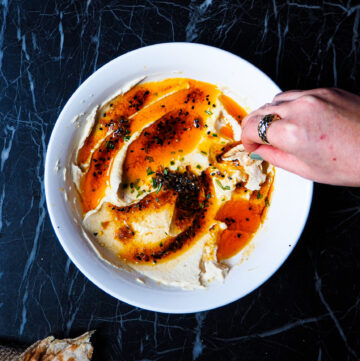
[[51, 349]]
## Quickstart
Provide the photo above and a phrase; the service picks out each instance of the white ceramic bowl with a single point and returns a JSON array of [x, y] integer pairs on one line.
[[273, 243]]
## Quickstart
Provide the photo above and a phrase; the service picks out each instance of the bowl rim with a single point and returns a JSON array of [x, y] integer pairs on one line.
[[49, 167]]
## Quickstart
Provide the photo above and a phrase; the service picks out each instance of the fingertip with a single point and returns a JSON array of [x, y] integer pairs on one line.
[[281, 159], [250, 147]]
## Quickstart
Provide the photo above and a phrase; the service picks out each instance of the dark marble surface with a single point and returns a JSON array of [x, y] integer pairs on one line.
[[309, 310]]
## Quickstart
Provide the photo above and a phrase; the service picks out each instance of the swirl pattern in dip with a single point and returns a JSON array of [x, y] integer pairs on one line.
[[165, 184]]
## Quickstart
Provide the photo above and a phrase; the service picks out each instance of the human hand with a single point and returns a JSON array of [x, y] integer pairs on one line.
[[317, 137]]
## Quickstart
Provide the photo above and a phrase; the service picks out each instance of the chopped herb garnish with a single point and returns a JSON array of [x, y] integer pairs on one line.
[[267, 203], [258, 195], [172, 162], [181, 159], [156, 94], [198, 166], [201, 204], [159, 187], [208, 112], [214, 135], [157, 200], [126, 138], [203, 152], [208, 195], [226, 188], [150, 159], [139, 194], [154, 182], [109, 144], [165, 171], [149, 171], [180, 150]]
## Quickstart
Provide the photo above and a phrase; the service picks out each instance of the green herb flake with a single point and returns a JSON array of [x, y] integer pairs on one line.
[[267, 203], [157, 200], [208, 196], [259, 195], [165, 171], [209, 112], [180, 150], [159, 187], [126, 138], [172, 162], [156, 94], [203, 152], [181, 159], [149, 171], [202, 205], [154, 182], [109, 144], [214, 135], [139, 194], [226, 188], [198, 166]]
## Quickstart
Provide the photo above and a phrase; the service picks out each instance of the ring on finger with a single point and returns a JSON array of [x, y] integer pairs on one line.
[[264, 125]]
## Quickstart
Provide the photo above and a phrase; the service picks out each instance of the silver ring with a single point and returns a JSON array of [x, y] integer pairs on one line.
[[264, 125]]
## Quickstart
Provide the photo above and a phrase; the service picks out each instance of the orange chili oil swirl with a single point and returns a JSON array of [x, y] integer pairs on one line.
[[164, 121], [203, 210]]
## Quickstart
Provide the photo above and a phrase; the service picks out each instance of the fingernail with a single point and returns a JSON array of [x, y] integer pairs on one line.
[[255, 156]]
